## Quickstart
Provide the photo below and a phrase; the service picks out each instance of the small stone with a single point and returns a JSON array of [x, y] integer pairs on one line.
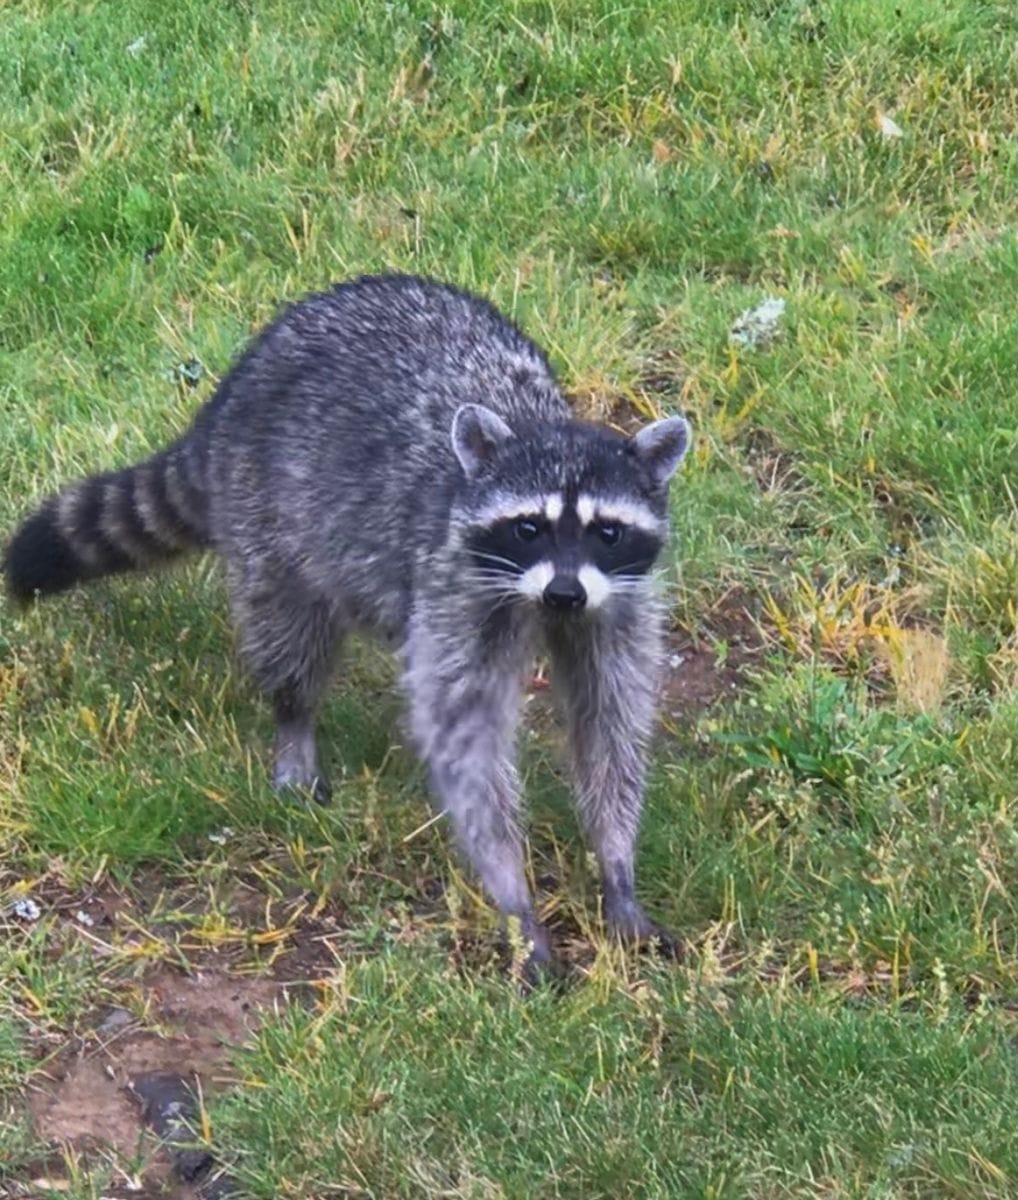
[[169, 1105], [116, 1018], [757, 327], [189, 373], [26, 909], [889, 130]]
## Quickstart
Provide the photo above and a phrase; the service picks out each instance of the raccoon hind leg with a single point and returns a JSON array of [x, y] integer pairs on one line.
[[296, 750], [289, 640]]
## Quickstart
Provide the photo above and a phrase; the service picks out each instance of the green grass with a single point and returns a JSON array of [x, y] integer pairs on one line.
[[648, 1091], [837, 840]]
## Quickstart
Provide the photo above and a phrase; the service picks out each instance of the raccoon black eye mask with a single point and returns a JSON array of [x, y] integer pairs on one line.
[[553, 555], [395, 455]]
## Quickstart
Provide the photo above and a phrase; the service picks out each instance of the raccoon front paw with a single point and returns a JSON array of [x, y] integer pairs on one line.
[[630, 924], [321, 791], [531, 959], [289, 784], [548, 972]]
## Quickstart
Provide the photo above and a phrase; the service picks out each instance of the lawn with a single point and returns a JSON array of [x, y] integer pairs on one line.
[[832, 821]]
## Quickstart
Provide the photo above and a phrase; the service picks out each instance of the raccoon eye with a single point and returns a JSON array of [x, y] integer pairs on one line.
[[610, 533], [527, 530]]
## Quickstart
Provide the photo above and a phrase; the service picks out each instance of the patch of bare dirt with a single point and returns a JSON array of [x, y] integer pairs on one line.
[[85, 1100], [167, 1034], [706, 665], [312, 952], [295, 937], [273, 951], [695, 678]]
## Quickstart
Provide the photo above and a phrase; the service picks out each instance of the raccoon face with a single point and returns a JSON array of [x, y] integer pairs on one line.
[[569, 516]]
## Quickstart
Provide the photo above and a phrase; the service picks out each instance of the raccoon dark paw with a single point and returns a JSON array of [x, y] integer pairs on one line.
[[666, 944], [632, 926], [535, 974], [531, 959], [319, 788], [321, 791], [541, 969]]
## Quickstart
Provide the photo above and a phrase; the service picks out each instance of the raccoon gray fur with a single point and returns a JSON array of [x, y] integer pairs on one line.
[[395, 455]]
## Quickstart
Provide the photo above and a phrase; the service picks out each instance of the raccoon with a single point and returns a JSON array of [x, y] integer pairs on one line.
[[394, 455]]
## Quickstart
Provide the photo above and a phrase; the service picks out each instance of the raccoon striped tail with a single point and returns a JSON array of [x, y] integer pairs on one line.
[[118, 521]]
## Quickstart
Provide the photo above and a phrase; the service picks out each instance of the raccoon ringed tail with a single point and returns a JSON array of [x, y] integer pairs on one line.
[[117, 521]]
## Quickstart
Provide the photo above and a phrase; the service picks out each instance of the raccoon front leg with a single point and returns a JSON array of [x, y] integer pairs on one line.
[[288, 640], [464, 710], [607, 678], [479, 790]]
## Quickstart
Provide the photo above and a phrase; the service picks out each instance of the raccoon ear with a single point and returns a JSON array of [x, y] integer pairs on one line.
[[662, 446], [477, 433]]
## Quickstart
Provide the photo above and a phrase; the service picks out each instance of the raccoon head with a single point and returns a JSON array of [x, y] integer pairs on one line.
[[565, 515]]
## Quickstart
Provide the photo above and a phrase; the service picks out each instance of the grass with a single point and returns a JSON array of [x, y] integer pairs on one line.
[[836, 839]]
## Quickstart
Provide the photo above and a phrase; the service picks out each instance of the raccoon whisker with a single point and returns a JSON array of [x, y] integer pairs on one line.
[[621, 571], [630, 586], [497, 558], [629, 582], [498, 598], [502, 600], [492, 573], [492, 579], [497, 579], [492, 589]]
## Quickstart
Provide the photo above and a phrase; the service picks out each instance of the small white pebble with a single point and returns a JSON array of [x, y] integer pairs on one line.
[[136, 47], [222, 837], [676, 660], [83, 918], [757, 327], [889, 130], [26, 909]]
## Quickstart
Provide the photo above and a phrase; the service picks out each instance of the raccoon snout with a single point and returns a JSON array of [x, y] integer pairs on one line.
[[565, 593]]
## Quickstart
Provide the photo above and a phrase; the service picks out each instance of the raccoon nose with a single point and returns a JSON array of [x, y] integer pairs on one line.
[[565, 593]]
